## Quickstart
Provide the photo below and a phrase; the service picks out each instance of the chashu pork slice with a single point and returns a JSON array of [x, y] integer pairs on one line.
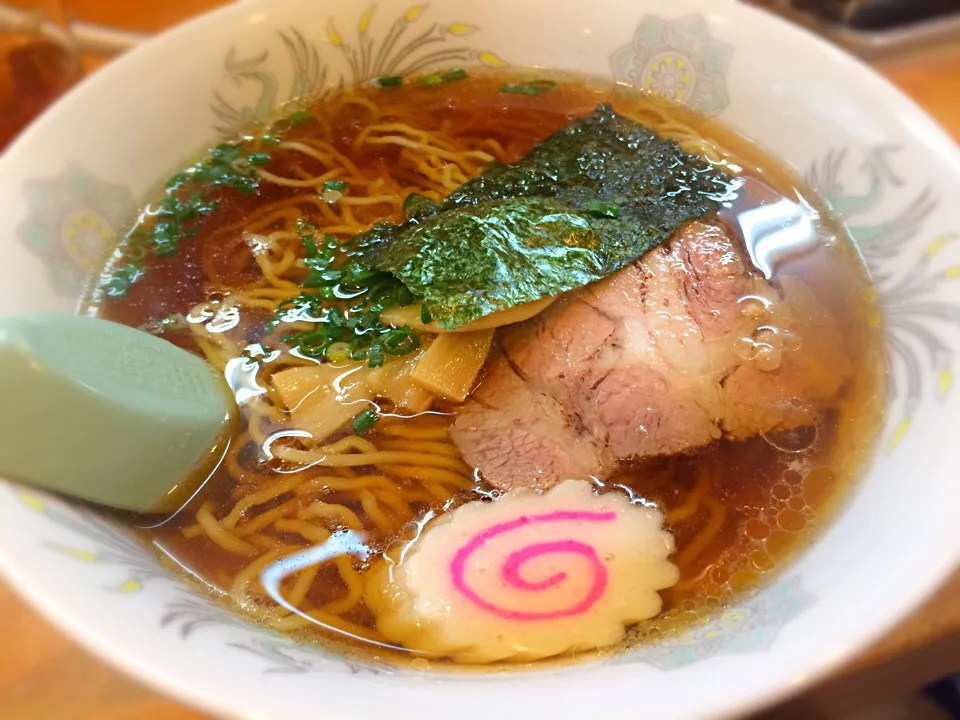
[[685, 346]]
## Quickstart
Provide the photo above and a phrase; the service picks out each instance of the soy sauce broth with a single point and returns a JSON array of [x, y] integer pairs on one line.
[[741, 510]]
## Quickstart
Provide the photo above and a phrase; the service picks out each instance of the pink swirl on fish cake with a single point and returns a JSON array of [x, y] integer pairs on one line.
[[510, 572]]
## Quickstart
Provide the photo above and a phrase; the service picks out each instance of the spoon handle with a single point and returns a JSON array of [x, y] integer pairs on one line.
[[106, 413]]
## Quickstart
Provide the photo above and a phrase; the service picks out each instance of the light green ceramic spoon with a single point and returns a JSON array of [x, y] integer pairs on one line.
[[106, 413]]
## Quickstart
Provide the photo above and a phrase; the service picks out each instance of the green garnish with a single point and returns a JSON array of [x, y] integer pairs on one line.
[[535, 87], [335, 186], [390, 81], [299, 117], [343, 299], [178, 215], [259, 158], [187, 202], [338, 352], [440, 78], [601, 209], [227, 165], [425, 317], [177, 219], [364, 422], [454, 75], [582, 204], [400, 341], [118, 281]]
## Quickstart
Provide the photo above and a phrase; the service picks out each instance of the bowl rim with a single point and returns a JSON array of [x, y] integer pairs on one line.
[[156, 674]]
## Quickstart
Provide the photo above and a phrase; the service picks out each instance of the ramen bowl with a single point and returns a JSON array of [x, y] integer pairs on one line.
[[72, 184]]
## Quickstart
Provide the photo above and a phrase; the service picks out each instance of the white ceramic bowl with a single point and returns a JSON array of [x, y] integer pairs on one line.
[[75, 178]]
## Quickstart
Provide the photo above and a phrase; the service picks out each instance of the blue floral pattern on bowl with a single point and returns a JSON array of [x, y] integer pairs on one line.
[[677, 61], [747, 627], [868, 198], [257, 88], [72, 223], [410, 44], [129, 567]]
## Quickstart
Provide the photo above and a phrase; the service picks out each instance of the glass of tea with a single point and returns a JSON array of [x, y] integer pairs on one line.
[[38, 61]]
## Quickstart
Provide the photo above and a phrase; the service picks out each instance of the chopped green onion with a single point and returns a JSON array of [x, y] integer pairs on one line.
[[259, 158], [338, 352], [177, 180], [270, 138], [425, 317], [601, 209], [364, 422], [536, 87], [440, 78], [400, 341], [390, 81], [454, 75], [351, 327], [187, 202], [118, 282], [166, 239], [301, 116], [335, 186], [400, 295]]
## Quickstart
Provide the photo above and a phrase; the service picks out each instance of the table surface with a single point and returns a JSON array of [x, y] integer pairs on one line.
[[44, 676]]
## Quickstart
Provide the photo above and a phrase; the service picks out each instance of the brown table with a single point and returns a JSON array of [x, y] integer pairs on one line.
[[44, 676]]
